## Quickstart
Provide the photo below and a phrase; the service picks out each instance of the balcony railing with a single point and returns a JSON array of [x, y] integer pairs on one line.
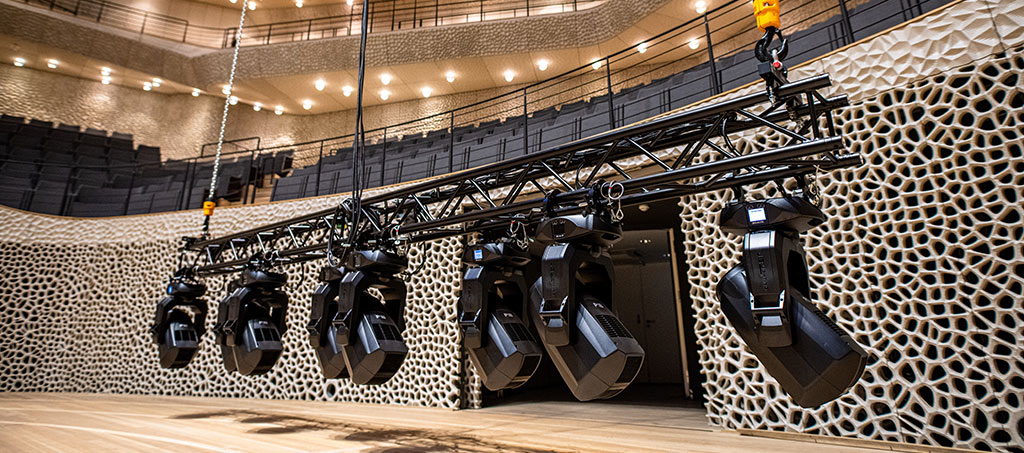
[[621, 88], [384, 16]]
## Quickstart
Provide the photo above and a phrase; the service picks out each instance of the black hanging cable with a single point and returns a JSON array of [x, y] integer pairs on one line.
[[359, 141]]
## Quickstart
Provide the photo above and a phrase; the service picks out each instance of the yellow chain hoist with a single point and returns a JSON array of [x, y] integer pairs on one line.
[[768, 14]]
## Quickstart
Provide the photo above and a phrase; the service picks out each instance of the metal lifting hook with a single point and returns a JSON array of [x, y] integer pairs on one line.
[[761, 49]]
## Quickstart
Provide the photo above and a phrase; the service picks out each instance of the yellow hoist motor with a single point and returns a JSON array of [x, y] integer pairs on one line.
[[768, 15]]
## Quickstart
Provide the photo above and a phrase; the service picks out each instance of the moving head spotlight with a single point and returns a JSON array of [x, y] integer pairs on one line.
[[572, 310], [251, 320], [368, 330], [767, 299], [174, 331], [493, 300], [322, 331]]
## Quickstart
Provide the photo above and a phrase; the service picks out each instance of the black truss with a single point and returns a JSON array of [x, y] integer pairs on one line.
[[469, 201]]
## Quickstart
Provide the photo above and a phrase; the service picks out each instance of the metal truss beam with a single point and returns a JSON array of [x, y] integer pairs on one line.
[[490, 197]]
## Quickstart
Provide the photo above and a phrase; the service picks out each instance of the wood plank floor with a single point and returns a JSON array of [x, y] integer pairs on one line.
[[32, 422]]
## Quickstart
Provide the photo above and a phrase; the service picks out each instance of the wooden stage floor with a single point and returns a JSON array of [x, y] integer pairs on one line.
[[91, 422]]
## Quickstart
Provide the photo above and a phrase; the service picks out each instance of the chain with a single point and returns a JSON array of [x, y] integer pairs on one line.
[[517, 233], [227, 101]]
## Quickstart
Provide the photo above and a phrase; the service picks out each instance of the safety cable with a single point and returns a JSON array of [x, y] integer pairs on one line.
[[209, 204], [359, 142]]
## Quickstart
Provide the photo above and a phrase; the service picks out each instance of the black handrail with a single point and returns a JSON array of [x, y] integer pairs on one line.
[[666, 53], [384, 16]]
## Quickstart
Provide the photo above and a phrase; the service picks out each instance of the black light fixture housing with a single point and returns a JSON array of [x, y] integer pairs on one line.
[[490, 311], [767, 299], [571, 307], [251, 321], [368, 330], [176, 332], [322, 330]]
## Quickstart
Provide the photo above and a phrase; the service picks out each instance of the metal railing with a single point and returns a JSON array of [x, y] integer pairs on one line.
[[384, 16], [619, 89]]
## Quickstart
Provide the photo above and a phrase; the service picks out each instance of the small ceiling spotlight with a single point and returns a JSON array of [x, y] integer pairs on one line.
[[157, 82], [596, 65], [298, 3], [701, 6], [694, 43], [105, 80], [320, 84], [252, 5], [105, 71], [52, 64], [278, 110], [426, 91], [542, 64], [450, 76], [509, 75], [257, 106], [346, 90], [348, 2], [307, 104], [226, 90], [384, 94], [233, 100], [233, 1], [385, 78], [147, 86], [195, 92], [19, 62], [642, 48]]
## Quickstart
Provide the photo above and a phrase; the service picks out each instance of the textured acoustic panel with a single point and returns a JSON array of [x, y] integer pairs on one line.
[[78, 297], [922, 260]]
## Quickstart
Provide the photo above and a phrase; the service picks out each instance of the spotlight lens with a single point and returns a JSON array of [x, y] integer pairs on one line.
[[385, 78], [450, 76], [307, 104], [346, 90], [426, 92], [701, 6], [509, 75], [642, 47], [195, 92], [257, 106], [278, 110], [596, 65], [542, 64], [694, 43], [320, 84], [385, 94]]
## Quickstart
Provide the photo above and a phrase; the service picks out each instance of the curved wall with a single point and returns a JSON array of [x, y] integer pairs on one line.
[[921, 260]]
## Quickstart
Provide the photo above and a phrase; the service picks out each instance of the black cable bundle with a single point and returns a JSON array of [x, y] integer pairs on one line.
[[359, 143]]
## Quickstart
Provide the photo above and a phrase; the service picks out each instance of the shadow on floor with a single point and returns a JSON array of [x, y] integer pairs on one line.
[[381, 439]]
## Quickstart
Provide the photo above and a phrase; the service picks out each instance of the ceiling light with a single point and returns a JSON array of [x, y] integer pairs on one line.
[[195, 92], [105, 80], [346, 90], [385, 78], [257, 106], [385, 94], [105, 70], [307, 104], [278, 110], [52, 64], [701, 6], [542, 64], [298, 3], [349, 2], [252, 5], [233, 1], [596, 65], [157, 82], [320, 84], [19, 62], [233, 100], [147, 86], [426, 91], [449, 76], [642, 47], [226, 90], [694, 43], [509, 75]]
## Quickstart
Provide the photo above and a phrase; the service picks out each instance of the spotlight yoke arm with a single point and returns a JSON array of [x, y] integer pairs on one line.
[[370, 269], [182, 291], [493, 265]]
